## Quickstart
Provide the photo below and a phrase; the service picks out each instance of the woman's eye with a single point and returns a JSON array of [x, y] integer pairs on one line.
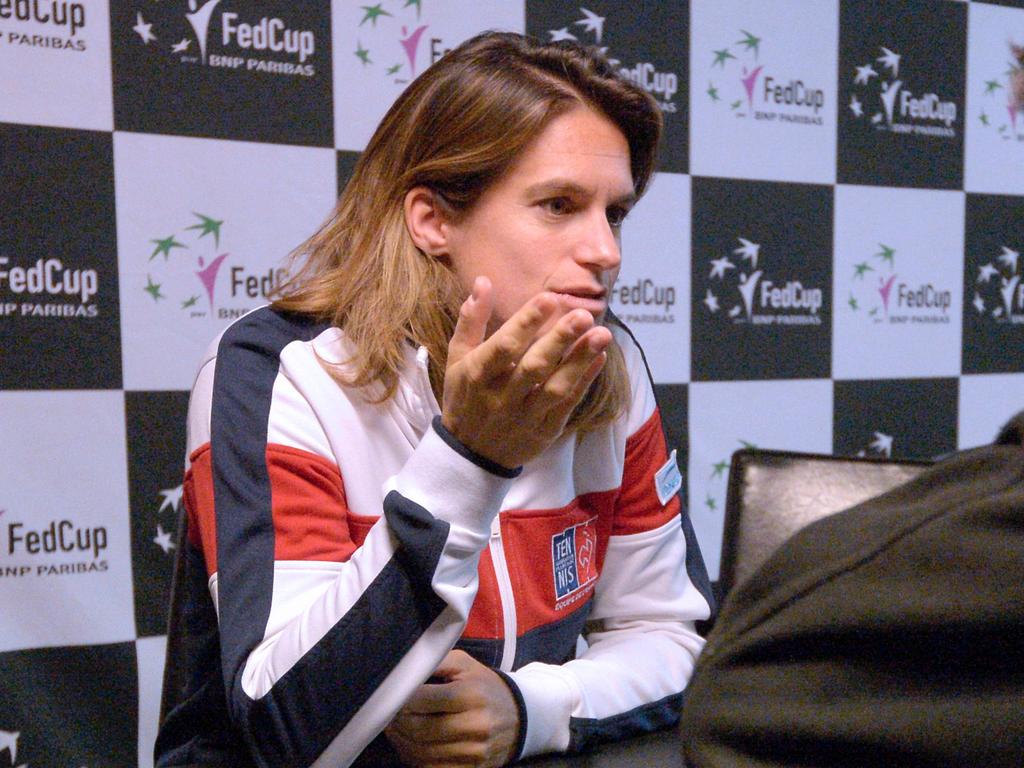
[[558, 205]]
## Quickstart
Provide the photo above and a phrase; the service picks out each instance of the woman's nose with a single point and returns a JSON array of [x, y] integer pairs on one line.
[[599, 244]]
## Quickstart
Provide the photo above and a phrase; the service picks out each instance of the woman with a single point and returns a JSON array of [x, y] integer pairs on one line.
[[382, 469]]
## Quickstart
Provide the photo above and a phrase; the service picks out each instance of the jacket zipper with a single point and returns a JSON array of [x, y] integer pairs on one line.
[[508, 603]]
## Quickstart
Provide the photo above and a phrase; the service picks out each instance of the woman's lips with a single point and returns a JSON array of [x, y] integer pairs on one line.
[[594, 304]]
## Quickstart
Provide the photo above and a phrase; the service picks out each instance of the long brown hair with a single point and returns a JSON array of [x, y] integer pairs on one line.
[[456, 129]]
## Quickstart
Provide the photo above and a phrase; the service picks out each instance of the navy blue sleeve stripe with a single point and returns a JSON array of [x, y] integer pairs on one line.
[[306, 709], [319, 695], [585, 732], [195, 730], [248, 360]]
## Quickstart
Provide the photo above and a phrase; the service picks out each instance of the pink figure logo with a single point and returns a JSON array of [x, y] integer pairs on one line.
[[885, 289], [411, 43], [208, 275], [748, 83]]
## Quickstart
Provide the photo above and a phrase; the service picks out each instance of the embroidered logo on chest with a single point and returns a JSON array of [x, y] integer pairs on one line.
[[574, 561]]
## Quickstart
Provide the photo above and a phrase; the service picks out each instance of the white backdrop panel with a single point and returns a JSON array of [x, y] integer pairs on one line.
[[67, 569], [203, 228]]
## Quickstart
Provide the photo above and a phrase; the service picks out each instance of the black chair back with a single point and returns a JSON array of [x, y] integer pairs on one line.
[[773, 494]]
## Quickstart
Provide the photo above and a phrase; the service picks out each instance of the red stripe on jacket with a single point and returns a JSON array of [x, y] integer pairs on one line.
[[311, 517], [638, 508], [312, 522]]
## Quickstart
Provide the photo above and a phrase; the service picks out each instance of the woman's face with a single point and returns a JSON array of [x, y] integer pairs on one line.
[[551, 223]]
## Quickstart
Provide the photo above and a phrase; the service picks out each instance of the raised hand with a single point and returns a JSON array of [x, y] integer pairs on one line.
[[508, 397], [469, 718]]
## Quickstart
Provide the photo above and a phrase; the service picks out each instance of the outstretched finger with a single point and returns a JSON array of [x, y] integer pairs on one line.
[[549, 351], [508, 344], [567, 385], [471, 326]]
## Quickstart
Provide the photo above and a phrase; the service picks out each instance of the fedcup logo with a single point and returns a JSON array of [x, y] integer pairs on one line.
[[1002, 108], [64, 24], [33, 547], [588, 28], [890, 102], [999, 290], [267, 44], [878, 292], [644, 301], [389, 42], [47, 287], [187, 270], [740, 81], [742, 289]]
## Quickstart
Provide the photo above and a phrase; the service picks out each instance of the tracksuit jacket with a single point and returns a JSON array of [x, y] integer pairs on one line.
[[348, 546]]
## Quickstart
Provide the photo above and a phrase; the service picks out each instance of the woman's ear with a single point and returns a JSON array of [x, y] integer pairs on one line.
[[426, 221]]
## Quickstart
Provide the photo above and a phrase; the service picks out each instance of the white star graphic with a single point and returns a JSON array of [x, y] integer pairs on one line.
[[876, 118], [143, 29], [561, 34], [882, 443], [985, 272], [864, 74], [163, 539], [711, 301], [748, 251], [1009, 258], [735, 311], [172, 497], [591, 22], [890, 59], [718, 267], [855, 106], [979, 303], [182, 46]]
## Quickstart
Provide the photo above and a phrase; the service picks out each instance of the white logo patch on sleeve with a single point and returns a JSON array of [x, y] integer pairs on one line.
[[667, 480]]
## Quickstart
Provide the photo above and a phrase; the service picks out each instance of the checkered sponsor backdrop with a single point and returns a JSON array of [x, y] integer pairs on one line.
[[829, 261]]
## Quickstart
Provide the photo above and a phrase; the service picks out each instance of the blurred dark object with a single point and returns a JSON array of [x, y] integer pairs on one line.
[[891, 633]]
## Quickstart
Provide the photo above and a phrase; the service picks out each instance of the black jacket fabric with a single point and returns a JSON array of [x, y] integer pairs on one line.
[[890, 634]]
